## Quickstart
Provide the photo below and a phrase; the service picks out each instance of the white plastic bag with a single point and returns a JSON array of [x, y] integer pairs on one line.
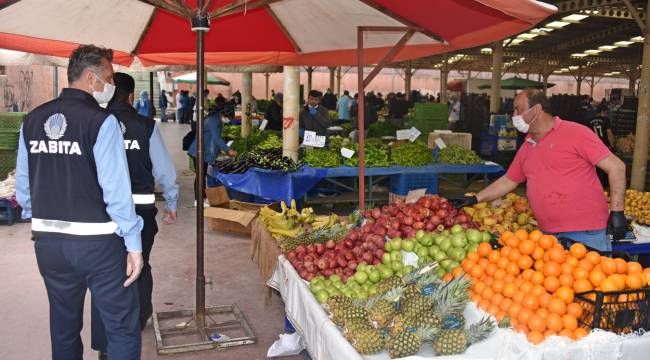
[[288, 344]]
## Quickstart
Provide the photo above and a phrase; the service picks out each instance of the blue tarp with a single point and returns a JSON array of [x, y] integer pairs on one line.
[[634, 249], [279, 185]]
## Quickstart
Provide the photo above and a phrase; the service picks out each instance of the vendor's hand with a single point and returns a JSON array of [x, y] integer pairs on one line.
[[616, 225], [134, 264], [169, 217], [464, 201], [232, 153]]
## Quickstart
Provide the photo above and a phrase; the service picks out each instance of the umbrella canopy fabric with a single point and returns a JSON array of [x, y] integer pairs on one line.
[[270, 32], [191, 79], [517, 83]]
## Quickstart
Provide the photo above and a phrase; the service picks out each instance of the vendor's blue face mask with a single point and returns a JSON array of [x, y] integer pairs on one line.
[[312, 110]]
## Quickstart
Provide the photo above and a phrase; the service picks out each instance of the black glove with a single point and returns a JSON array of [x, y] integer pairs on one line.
[[464, 201], [616, 225]]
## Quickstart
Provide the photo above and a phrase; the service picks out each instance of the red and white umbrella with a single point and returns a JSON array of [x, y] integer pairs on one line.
[[272, 32]]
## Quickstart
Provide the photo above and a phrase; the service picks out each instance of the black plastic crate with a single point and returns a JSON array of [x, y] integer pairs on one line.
[[567, 242], [617, 311]]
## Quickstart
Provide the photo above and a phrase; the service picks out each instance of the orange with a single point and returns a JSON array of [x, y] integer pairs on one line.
[[545, 300], [621, 266], [498, 285], [538, 253], [551, 283], [567, 334], [580, 273], [512, 241], [504, 235], [479, 286], [512, 268], [475, 298], [505, 305], [569, 322], [554, 322], [484, 249], [548, 333], [596, 277], [487, 293], [582, 285], [572, 261], [493, 309], [513, 311], [547, 241], [476, 272], [493, 256], [458, 271], [566, 280], [473, 255], [567, 268], [518, 297], [505, 251], [521, 234], [526, 287], [535, 235], [483, 263], [521, 328], [537, 323], [524, 315], [499, 274], [525, 262], [552, 269], [565, 294], [531, 302], [537, 278], [509, 278], [557, 306], [574, 309], [578, 250], [526, 247], [585, 264], [526, 274], [539, 265], [538, 291], [609, 284], [634, 267], [518, 281], [593, 257], [448, 277], [535, 337], [580, 332], [514, 255], [488, 280], [646, 272], [557, 255], [483, 304], [608, 266], [502, 262], [542, 312], [490, 269], [635, 281], [509, 290], [500, 315]]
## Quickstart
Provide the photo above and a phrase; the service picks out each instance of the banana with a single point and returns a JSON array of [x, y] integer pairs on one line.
[[288, 233], [283, 205]]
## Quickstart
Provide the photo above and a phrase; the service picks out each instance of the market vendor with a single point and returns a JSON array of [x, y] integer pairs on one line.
[[558, 161], [149, 163], [314, 117]]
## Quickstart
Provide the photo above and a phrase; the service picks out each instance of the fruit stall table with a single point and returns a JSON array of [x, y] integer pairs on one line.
[[279, 185], [324, 340]]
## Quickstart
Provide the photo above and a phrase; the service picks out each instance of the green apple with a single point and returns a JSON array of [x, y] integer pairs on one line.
[[458, 240], [361, 266], [372, 291], [456, 253], [438, 239], [433, 250], [474, 236], [422, 252], [388, 246], [440, 256], [396, 256], [386, 272], [473, 247], [316, 287], [456, 229], [335, 278], [452, 265], [334, 292], [385, 259], [486, 236], [374, 276], [427, 240], [396, 265], [322, 296], [408, 245], [419, 234], [366, 285], [445, 263], [361, 277], [408, 268], [445, 245], [396, 244], [369, 269]]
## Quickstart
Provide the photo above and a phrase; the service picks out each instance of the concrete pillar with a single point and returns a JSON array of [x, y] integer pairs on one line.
[[632, 84], [592, 85], [55, 82], [332, 76], [444, 75], [407, 80], [338, 82], [310, 72], [291, 111], [266, 83], [640, 161], [495, 90], [246, 99]]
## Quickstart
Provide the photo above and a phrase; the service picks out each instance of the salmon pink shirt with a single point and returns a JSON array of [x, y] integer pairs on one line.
[[563, 189]]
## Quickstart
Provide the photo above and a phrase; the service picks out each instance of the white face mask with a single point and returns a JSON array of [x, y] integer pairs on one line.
[[105, 96], [520, 124]]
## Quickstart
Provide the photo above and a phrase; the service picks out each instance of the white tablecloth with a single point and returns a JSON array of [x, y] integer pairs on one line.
[[324, 340]]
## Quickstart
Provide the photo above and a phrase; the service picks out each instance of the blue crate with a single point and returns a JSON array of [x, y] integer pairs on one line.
[[8, 215], [288, 327], [403, 183], [488, 147]]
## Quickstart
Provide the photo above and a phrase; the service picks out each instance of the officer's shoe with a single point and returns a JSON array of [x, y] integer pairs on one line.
[[102, 355]]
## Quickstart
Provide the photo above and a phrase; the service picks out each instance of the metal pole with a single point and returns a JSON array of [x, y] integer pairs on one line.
[[266, 76], [640, 161], [495, 90], [310, 72], [332, 73], [200, 172], [151, 92], [291, 112], [407, 80], [55, 81], [338, 81], [246, 99], [361, 121]]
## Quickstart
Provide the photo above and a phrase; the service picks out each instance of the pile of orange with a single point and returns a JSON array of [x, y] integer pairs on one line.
[[533, 280]]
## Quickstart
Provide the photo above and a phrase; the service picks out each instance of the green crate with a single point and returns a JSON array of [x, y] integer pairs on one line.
[[7, 162], [9, 140], [11, 120], [429, 111]]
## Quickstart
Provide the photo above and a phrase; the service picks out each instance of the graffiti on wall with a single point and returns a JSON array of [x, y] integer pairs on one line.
[[25, 81], [17, 93], [9, 97]]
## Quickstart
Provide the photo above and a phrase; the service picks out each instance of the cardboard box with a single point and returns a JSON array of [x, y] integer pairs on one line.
[[506, 144], [230, 216], [462, 139]]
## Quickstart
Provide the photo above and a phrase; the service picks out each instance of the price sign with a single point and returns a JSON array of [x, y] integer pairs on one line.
[[229, 143], [311, 139], [440, 143], [263, 124], [414, 134], [403, 134], [347, 153]]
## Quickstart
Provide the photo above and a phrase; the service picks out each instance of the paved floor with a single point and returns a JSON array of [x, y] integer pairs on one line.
[[24, 324]]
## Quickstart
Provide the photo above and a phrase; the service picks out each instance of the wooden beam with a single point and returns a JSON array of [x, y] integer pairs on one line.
[[169, 7], [388, 58], [635, 14], [284, 29], [240, 6], [403, 20]]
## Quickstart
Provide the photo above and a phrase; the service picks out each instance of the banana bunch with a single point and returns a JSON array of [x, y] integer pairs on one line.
[[324, 222], [289, 221]]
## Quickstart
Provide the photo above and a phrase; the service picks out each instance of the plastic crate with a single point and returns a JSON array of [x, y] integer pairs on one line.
[[11, 120], [617, 311], [7, 162], [9, 139], [488, 147], [8, 212], [403, 183]]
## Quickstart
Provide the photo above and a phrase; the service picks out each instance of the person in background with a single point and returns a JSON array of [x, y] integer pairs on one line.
[[272, 94], [213, 144], [454, 112], [84, 225], [220, 102], [558, 161], [179, 107], [314, 117], [438, 98], [237, 97], [379, 102], [354, 106], [371, 109], [162, 104], [398, 110], [274, 113], [185, 102], [149, 163], [143, 105], [601, 126], [191, 107], [343, 107], [328, 101]]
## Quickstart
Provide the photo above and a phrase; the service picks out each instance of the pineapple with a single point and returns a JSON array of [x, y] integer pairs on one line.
[[448, 301], [401, 323], [415, 306], [382, 309], [353, 326], [335, 305], [407, 343], [420, 284], [386, 284], [355, 310], [452, 342], [368, 341]]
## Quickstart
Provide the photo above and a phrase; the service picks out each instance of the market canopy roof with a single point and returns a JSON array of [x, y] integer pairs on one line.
[[272, 32], [517, 83], [191, 79]]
